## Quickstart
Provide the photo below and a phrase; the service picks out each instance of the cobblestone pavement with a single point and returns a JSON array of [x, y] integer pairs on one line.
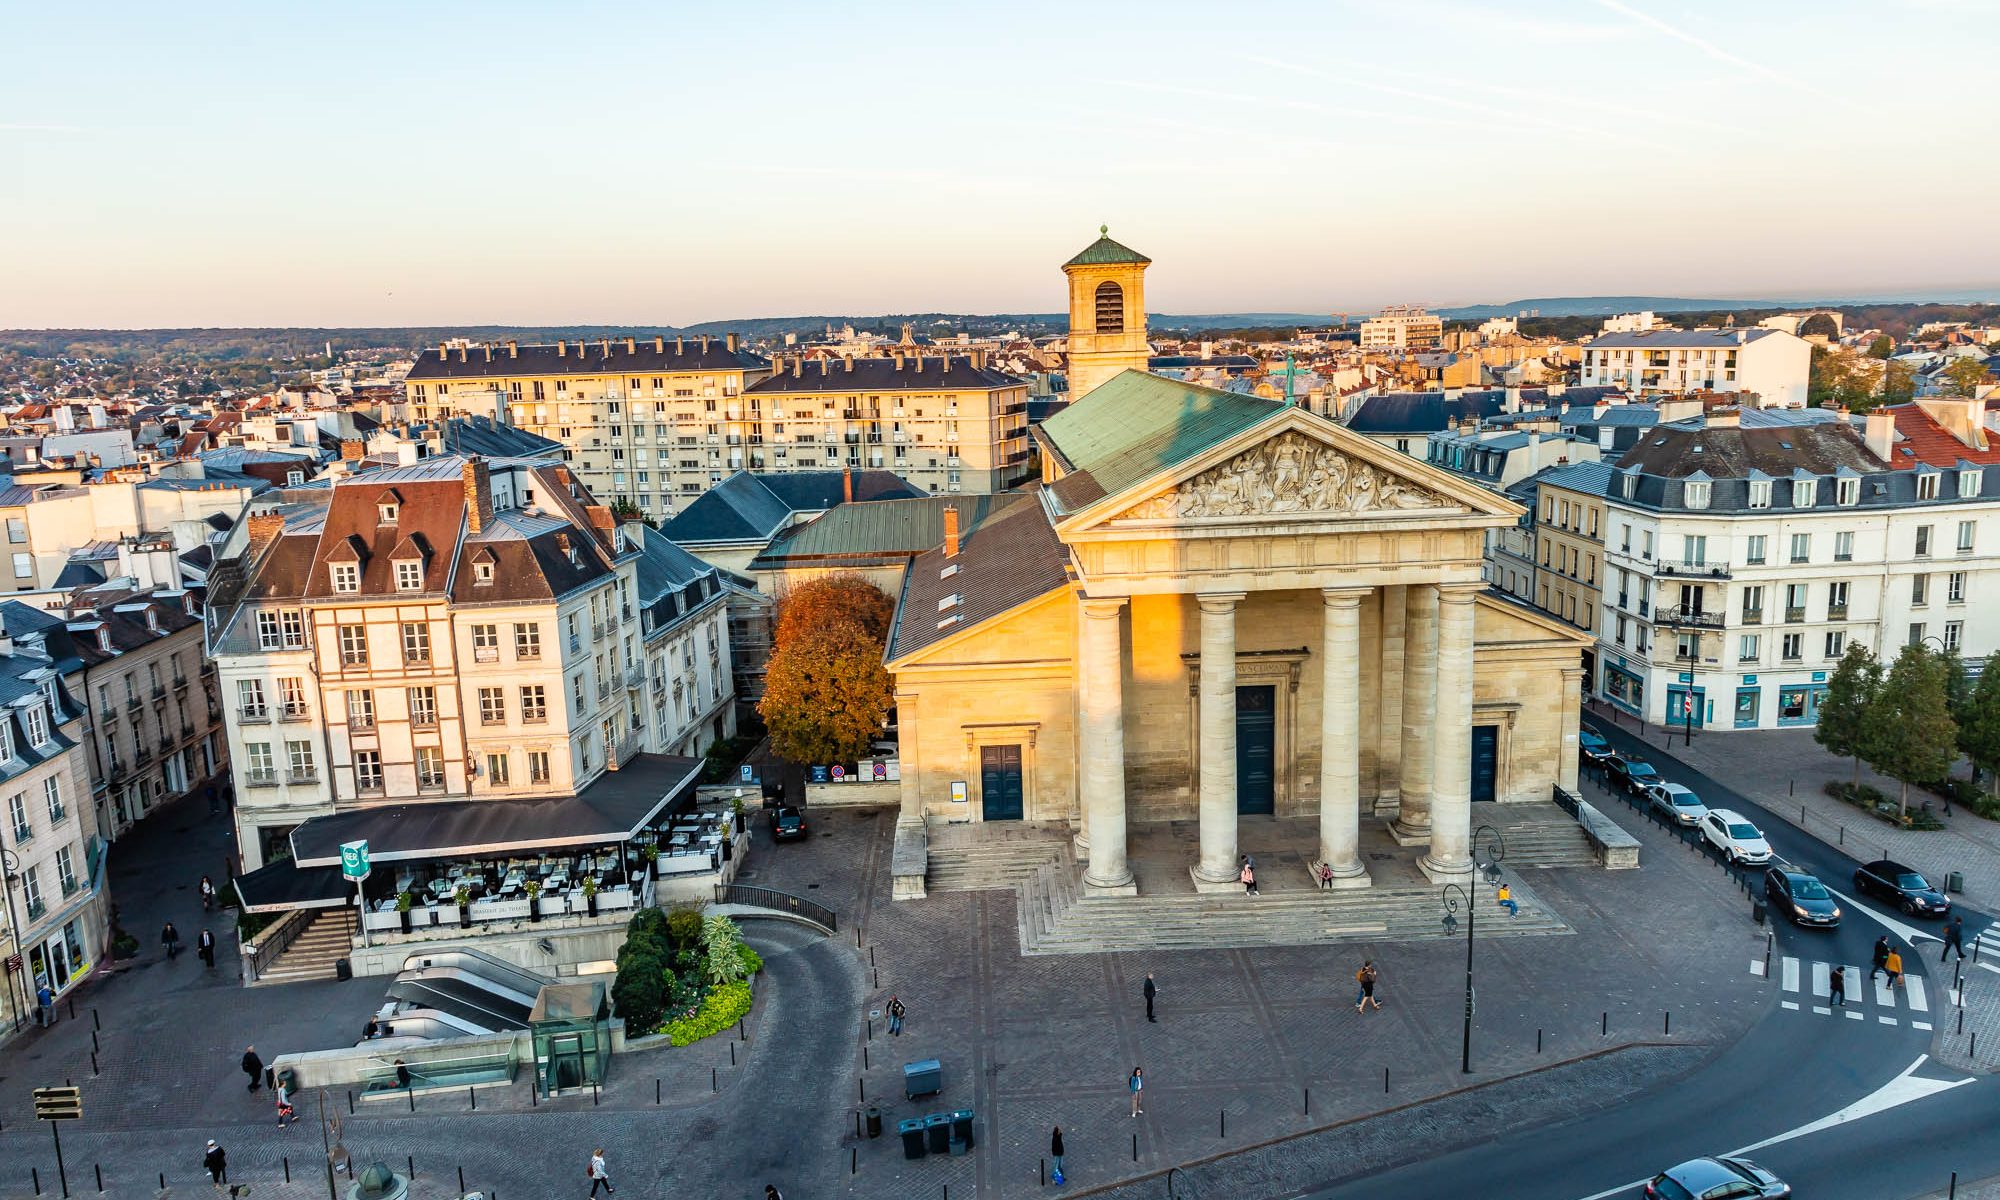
[[1785, 770], [1245, 1041]]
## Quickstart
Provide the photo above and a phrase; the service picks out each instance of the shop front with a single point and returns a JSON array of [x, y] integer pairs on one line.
[[1798, 703], [1625, 689]]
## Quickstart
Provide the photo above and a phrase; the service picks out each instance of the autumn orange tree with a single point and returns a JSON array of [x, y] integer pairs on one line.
[[825, 689]]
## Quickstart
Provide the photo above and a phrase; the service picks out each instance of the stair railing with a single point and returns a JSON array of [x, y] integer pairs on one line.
[[257, 954]]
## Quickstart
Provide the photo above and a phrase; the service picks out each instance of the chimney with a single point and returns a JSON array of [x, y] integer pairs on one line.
[[847, 486], [947, 363], [444, 352], [822, 368], [489, 351], [513, 348], [899, 363], [659, 345], [730, 341], [798, 367], [680, 345], [603, 524], [352, 450], [951, 531], [847, 363], [562, 349], [606, 343], [264, 529], [704, 343], [478, 495], [631, 346], [1880, 434], [1727, 416]]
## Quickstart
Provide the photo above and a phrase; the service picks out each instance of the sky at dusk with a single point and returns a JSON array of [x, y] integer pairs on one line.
[[443, 163]]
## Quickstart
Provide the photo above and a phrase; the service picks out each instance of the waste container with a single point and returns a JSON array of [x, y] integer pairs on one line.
[[1955, 881], [937, 1132], [961, 1131], [923, 1078], [874, 1121], [343, 968], [912, 1133], [1757, 910]]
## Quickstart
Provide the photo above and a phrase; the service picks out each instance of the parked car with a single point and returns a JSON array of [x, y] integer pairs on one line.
[[1677, 802], [1737, 839], [1802, 897], [1906, 889], [1717, 1179], [789, 825], [1592, 748], [1632, 774]]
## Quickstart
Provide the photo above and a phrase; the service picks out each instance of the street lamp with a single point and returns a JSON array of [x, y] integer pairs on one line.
[[10, 868], [1488, 869]]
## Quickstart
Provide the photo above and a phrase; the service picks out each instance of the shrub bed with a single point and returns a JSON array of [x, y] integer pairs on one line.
[[683, 975], [1871, 800]]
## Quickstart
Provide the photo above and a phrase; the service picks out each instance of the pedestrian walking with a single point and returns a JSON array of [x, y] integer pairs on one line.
[[170, 939], [1895, 968], [253, 1067], [286, 1114], [599, 1177], [771, 1192], [896, 1013], [217, 1164], [1249, 878], [1366, 978], [1507, 901], [1837, 984], [1954, 939], [207, 894], [1881, 956], [204, 947], [45, 1006], [402, 1075], [1151, 991], [1135, 1085], [1056, 1153]]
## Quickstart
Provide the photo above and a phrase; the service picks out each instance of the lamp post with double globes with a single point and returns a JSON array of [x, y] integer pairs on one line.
[[10, 870], [1489, 869]]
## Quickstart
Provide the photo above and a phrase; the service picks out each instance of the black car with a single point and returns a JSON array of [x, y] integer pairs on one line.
[[1632, 774], [788, 825], [1592, 748], [1801, 897], [1906, 889]]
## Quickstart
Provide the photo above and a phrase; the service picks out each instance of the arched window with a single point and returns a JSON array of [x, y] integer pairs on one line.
[[1110, 308]]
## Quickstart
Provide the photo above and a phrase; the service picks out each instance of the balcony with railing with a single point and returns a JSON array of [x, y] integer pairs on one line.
[[37, 909], [635, 678], [1836, 612], [1686, 569], [357, 724], [1795, 615], [266, 777], [133, 703], [23, 833], [1753, 616], [108, 715], [604, 689]]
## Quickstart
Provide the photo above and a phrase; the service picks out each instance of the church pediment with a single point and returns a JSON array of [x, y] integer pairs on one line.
[[1289, 475]]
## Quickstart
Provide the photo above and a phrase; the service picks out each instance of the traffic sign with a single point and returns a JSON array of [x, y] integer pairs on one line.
[[59, 1104], [354, 859]]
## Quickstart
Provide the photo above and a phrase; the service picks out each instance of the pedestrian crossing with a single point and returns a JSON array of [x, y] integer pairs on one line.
[[1806, 985]]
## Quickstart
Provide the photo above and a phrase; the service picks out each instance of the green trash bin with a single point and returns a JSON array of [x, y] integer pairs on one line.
[[912, 1133], [1955, 882], [937, 1131], [961, 1131]]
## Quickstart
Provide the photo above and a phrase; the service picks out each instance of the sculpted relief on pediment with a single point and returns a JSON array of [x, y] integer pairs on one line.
[[1290, 474]]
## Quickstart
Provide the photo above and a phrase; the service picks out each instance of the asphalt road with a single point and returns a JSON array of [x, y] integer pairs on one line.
[[1912, 1121]]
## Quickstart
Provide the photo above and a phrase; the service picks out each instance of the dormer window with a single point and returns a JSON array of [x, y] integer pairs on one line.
[[1805, 493], [346, 576], [1847, 491], [1760, 493], [38, 725], [409, 575], [1927, 485], [482, 572], [1694, 493], [1968, 483], [1631, 483], [387, 505]]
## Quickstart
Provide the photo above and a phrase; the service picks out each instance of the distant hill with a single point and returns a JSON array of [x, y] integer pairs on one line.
[[1610, 306]]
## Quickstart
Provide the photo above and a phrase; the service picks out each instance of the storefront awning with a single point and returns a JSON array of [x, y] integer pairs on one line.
[[616, 806], [284, 885]]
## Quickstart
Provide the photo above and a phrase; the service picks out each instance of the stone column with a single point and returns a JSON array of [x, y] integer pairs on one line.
[[1080, 816], [1420, 670], [1572, 714], [1451, 774], [1340, 736], [1394, 605], [911, 813], [1103, 746], [1218, 868]]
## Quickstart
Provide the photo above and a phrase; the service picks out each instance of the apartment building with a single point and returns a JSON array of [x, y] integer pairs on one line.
[[946, 423], [1402, 327], [1739, 563], [1772, 364], [46, 524], [647, 421], [57, 906], [456, 630]]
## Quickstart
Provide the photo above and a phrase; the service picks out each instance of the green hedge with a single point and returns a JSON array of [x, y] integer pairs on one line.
[[723, 1007]]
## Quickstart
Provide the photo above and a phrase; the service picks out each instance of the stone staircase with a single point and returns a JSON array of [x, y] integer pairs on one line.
[[1548, 844], [327, 938], [1055, 917]]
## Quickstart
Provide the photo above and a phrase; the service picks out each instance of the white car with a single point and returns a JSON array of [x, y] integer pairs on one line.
[[1737, 839], [1675, 801]]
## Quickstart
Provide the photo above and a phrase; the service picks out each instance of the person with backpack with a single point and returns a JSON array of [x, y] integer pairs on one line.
[[1366, 978], [896, 1014], [216, 1163], [1056, 1154], [599, 1177], [1136, 1084]]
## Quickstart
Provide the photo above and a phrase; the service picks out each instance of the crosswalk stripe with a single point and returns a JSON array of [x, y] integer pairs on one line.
[[1883, 996], [1791, 1004], [1887, 1020], [1756, 966], [1822, 1010], [1855, 1016], [1821, 972], [1915, 986], [1923, 1025], [1791, 974]]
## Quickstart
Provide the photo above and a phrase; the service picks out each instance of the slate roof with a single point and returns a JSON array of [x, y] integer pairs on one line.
[[885, 531], [1679, 339], [1231, 362], [1009, 559], [584, 358], [925, 373], [1412, 413], [671, 582], [1105, 252], [1136, 426], [1679, 450], [753, 507], [481, 435]]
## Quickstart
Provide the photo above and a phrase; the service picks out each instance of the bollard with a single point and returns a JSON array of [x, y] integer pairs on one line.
[[411, 1092], [350, 1104], [286, 1160], [712, 1085], [1538, 1041], [1385, 1081], [877, 975], [99, 1168], [593, 1093], [1953, 1193], [1604, 1029], [1222, 1122], [163, 1181], [1309, 1102], [860, 1088], [857, 1124], [72, 1008], [853, 1159], [1135, 1147], [656, 1090], [534, 1093], [1042, 1173], [461, 1179], [740, 1035], [1961, 1020], [411, 1162], [871, 956], [36, 1174], [1667, 1026], [732, 1054], [94, 1022], [1843, 836], [93, 1039]]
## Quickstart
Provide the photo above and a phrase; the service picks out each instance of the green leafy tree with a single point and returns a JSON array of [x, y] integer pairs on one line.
[[1899, 383], [1882, 347], [826, 691], [1963, 375], [1979, 726], [1911, 737], [640, 990], [1851, 692]]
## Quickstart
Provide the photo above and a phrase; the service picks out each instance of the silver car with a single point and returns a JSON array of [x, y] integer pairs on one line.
[[1675, 801]]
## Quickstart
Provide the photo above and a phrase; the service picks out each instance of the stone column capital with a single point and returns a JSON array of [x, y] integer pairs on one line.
[[1102, 608], [1460, 593], [1219, 602], [1344, 597]]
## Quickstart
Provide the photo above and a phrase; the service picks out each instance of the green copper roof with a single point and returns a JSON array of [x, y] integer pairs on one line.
[[1104, 251], [1135, 426]]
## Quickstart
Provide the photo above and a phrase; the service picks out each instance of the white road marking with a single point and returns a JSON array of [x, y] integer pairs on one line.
[[1923, 1025], [1910, 934], [1883, 996], [1903, 1089], [1789, 1004], [1791, 974], [1852, 979], [1855, 1016], [1756, 966], [1822, 1010], [1915, 986], [1887, 1020], [1821, 972]]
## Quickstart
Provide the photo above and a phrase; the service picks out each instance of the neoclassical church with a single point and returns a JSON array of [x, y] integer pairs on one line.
[[1216, 608]]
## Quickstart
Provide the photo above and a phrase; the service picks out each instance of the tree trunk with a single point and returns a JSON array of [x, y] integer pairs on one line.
[[1857, 777], [1903, 803]]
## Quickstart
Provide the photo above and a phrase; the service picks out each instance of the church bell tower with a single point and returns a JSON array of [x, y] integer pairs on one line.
[[1107, 313]]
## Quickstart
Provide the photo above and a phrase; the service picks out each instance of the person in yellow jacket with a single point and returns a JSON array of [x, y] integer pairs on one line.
[[1894, 966]]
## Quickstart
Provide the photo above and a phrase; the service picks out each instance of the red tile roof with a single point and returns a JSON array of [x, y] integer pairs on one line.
[[1928, 442]]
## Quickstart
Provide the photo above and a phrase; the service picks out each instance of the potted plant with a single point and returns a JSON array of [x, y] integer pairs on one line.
[[590, 894], [463, 894], [404, 902], [727, 825], [534, 889]]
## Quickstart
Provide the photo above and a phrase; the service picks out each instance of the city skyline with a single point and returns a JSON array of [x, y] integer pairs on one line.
[[382, 168]]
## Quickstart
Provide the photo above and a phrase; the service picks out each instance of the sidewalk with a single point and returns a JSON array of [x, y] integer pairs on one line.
[[1786, 771]]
